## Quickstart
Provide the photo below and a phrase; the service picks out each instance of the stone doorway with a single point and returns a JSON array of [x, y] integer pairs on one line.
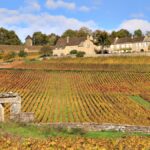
[[15, 108]]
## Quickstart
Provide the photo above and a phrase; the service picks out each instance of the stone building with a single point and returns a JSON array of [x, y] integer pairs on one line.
[[28, 41], [65, 45], [130, 44], [119, 45]]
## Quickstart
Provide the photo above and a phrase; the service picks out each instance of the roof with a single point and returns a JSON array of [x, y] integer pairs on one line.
[[28, 37], [129, 40], [147, 39], [62, 42]]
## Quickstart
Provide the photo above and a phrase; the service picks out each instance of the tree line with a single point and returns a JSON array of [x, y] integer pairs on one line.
[[10, 37]]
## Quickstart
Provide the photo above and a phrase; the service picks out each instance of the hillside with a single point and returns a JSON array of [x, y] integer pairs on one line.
[[100, 90]]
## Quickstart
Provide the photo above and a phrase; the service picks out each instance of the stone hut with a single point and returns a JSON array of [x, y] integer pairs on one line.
[[28, 41], [15, 109]]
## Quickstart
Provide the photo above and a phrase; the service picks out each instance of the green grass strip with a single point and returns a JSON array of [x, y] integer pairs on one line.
[[141, 101], [31, 131]]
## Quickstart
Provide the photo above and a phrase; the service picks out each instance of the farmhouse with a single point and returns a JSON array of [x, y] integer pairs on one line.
[[130, 44], [65, 45], [119, 45]]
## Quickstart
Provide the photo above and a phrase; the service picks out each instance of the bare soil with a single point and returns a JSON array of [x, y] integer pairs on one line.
[[10, 65]]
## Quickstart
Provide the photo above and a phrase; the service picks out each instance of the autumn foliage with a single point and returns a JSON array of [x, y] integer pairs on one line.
[[130, 143]]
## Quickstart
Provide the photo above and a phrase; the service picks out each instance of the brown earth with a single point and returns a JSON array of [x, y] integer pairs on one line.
[[10, 65]]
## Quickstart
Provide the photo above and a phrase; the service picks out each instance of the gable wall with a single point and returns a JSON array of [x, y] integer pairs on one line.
[[87, 46]]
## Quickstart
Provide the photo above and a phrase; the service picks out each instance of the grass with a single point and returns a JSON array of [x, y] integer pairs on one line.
[[113, 134], [31, 131], [29, 61], [101, 60], [141, 102]]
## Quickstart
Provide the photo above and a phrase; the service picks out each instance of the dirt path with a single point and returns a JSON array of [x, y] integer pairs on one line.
[[10, 65]]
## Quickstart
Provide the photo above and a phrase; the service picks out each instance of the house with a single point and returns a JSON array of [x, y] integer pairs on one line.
[[65, 45], [86, 44], [130, 44]]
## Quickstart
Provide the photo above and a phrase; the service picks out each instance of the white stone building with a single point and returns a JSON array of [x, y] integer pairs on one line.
[[130, 44], [119, 45], [65, 45]]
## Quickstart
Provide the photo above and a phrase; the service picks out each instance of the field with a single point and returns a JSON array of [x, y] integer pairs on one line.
[[73, 90]]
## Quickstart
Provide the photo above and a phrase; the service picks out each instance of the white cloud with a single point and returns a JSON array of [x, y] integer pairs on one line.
[[54, 4], [134, 24], [26, 23], [30, 6], [137, 15], [84, 9]]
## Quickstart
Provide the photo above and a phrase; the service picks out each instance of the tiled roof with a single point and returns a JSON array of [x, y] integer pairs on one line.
[[128, 40], [62, 42], [28, 37], [147, 39]]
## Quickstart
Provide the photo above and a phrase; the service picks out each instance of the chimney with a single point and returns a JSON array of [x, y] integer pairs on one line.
[[116, 39], [68, 39], [88, 37], [132, 37]]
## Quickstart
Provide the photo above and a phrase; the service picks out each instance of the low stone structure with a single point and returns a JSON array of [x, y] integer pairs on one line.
[[15, 110], [26, 117], [17, 48], [101, 127]]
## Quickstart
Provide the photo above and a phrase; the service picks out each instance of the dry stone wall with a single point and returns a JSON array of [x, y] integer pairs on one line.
[[17, 48], [101, 127]]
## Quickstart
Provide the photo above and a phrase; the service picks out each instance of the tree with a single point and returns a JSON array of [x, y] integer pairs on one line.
[[46, 51], [73, 52], [138, 33], [84, 31], [120, 34], [40, 39], [113, 34], [80, 54], [52, 39], [102, 38], [9, 37], [22, 53], [123, 33], [70, 33]]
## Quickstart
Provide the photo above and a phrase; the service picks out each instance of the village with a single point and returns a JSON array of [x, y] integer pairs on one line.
[[83, 43]]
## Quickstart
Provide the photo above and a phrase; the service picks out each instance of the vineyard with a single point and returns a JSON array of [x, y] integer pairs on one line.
[[84, 67], [129, 143], [79, 96]]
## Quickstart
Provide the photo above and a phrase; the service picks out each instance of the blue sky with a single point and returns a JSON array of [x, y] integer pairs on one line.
[[28, 16]]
